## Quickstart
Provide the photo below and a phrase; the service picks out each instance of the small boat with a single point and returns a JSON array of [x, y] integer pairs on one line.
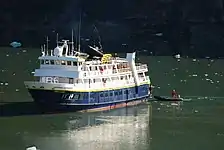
[[166, 98]]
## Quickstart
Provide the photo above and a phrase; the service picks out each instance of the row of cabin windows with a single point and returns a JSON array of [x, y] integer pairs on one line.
[[93, 68], [60, 62], [116, 93]]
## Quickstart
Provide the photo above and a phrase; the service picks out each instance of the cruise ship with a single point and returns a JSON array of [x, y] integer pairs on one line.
[[69, 79]]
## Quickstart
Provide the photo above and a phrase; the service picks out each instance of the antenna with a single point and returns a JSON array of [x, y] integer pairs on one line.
[[79, 31], [72, 44], [57, 39], [95, 29], [76, 39], [44, 50], [47, 43]]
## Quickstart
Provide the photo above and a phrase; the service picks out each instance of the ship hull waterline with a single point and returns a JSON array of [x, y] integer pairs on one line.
[[90, 101]]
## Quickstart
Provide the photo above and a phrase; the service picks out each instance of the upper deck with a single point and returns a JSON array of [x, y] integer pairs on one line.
[[65, 62]]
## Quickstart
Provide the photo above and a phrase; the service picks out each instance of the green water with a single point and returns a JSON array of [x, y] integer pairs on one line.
[[193, 125]]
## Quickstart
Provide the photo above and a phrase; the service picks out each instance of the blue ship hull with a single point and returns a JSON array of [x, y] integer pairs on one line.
[[90, 101]]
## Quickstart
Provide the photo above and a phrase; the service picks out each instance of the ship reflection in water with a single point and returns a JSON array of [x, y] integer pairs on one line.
[[115, 132], [126, 128]]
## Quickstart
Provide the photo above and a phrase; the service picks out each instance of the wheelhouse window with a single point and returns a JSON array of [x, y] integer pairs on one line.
[[57, 62], [63, 62], [47, 62], [52, 62], [69, 63], [74, 63]]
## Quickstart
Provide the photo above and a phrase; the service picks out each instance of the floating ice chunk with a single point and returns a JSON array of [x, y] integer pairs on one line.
[[17, 90], [177, 56], [15, 44], [32, 148], [216, 73], [24, 51], [159, 34], [196, 111], [194, 60], [7, 55], [194, 75], [206, 74]]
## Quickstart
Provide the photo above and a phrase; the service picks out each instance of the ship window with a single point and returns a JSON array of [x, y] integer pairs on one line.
[[52, 62], [71, 80], [80, 64], [78, 81], [57, 62], [86, 81], [69, 63], [41, 61], [96, 68], [111, 93], [126, 77], [126, 92], [47, 62], [115, 93], [63, 62], [74, 63], [106, 94], [120, 92], [101, 95]]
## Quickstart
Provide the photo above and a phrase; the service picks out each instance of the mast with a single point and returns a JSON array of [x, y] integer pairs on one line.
[[47, 44], [72, 44], [79, 31], [76, 39], [72, 40], [57, 39]]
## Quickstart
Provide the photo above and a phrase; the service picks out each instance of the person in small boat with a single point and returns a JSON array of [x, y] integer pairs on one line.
[[174, 94]]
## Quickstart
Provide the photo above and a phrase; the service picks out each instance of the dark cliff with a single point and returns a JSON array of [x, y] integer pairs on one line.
[[163, 27]]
